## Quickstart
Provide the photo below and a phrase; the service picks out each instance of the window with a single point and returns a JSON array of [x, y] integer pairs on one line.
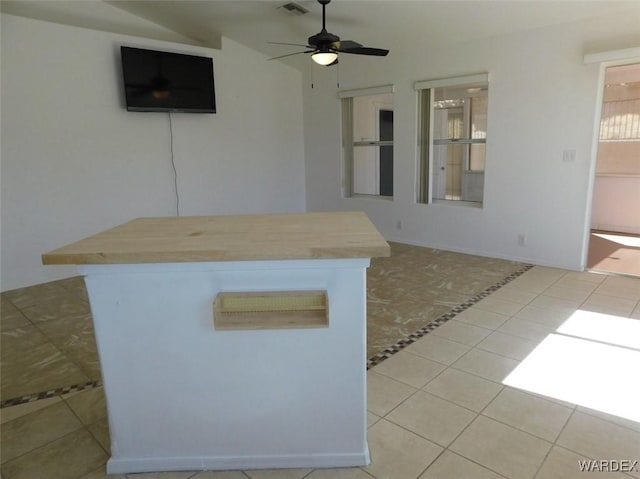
[[620, 120], [367, 140], [453, 135]]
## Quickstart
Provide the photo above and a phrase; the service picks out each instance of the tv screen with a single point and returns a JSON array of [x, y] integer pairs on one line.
[[163, 81]]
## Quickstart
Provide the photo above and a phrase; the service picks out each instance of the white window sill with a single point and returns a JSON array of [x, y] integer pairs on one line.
[[369, 197], [468, 204]]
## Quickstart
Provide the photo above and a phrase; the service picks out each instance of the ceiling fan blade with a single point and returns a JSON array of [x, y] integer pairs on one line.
[[344, 44], [290, 44], [290, 55], [379, 52]]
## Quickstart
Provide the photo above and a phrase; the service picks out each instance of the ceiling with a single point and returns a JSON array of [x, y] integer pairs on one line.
[[393, 24]]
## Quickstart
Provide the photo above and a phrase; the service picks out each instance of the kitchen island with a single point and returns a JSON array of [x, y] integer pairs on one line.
[[232, 342]]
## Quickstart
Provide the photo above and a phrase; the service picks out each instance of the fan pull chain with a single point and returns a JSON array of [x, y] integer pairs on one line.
[[311, 72], [338, 75]]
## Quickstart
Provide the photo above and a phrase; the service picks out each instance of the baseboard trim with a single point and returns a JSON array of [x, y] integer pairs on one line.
[[493, 254], [217, 463]]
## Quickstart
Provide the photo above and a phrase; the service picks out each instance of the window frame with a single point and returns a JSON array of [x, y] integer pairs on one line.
[[424, 164], [348, 144]]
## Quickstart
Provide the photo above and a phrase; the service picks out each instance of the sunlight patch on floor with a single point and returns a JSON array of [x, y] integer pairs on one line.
[[632, 241], [592, 360], [604, 328]]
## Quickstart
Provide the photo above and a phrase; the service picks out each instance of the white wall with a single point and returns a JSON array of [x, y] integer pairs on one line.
[[542, 101], [75, 162]]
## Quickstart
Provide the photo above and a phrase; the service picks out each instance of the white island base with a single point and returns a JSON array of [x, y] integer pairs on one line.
[[182, 395], [276, 380]]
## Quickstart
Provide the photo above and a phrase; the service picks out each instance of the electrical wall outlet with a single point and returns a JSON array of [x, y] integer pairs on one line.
[[522, 240]]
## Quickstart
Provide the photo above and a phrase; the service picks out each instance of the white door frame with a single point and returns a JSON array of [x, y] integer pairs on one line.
[[606, 60]]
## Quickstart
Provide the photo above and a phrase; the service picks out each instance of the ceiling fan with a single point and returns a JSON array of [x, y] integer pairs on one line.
[[324, 46]]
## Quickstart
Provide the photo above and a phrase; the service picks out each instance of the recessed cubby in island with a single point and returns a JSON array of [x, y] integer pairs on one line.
[[276, 380]]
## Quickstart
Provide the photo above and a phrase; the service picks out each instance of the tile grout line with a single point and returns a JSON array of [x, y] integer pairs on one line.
[[476, 463], [361, 468], [554, 443], [574, 451], [65, 353], [432, 462], [85, 426], [42, 446]]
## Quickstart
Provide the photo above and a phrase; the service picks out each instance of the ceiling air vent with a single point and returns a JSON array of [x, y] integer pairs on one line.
[[293, 8]]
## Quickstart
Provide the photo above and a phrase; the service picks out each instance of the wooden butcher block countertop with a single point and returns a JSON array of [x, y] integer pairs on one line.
[[228, 238]]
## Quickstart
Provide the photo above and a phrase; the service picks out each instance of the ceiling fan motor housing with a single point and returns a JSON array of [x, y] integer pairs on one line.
[[323, 40]]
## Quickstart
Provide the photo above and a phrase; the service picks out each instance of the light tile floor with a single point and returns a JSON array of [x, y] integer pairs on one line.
[[438, 409]]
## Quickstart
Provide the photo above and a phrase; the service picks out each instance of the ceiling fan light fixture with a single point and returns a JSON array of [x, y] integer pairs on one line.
[[324, 58]]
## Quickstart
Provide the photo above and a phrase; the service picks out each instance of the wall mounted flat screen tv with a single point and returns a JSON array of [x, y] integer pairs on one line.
[[164, 81]]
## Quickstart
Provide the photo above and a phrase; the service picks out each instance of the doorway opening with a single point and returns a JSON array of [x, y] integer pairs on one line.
[[614, 244]]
